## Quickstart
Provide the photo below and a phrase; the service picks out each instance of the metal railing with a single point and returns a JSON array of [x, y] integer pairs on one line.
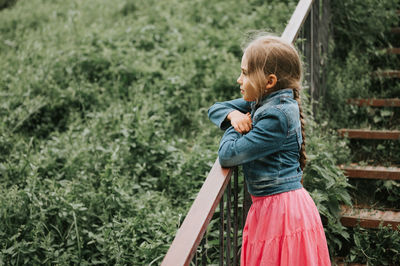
[[189, 246]]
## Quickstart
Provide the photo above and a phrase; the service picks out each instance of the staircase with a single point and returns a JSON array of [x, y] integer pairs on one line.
[[361, 214]]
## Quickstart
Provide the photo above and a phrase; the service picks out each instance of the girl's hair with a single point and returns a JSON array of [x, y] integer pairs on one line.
[[267, 55]]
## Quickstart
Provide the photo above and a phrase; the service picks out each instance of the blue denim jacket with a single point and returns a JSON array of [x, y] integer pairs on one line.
[[269, 152]]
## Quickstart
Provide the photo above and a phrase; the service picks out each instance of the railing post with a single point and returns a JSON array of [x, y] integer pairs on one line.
[[193, 227], [324, 30], [312, 51], [307, 47], [315, 51], [228, 224], [221, 231], [235, 216], [204, 251], [246, 203]]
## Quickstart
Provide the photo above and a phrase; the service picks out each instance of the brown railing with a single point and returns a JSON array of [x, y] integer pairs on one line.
[[307, 23], [190, 233]]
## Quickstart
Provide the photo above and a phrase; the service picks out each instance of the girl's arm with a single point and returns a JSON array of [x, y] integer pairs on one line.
[[265, 138], [219, 111]]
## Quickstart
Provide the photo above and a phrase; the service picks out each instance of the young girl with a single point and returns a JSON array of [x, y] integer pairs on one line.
[[265, 134]]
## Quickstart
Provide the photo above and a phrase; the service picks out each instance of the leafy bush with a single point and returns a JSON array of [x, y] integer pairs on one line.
[[375, 247], [105, 138], [361, 33], [356, 28], [6, 3], [323, 179], [361, 30]]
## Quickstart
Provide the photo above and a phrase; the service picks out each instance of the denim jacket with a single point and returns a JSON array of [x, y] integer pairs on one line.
[[269, 152]]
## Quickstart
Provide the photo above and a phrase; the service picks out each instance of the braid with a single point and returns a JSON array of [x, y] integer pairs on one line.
[[303, 156]]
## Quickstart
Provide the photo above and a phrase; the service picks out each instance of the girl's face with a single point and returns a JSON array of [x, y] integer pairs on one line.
[[246, 89]]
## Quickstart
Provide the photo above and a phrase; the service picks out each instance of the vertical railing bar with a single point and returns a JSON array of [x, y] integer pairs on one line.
[[228, 224], [243, 206], [324, 34], [235, 216], [221, 231], [316, 55], [204, 251], [311, 66], [303, 45], [307, 51], [246, 202]]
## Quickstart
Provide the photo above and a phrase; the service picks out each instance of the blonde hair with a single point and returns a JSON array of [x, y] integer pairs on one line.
[[267, 55]]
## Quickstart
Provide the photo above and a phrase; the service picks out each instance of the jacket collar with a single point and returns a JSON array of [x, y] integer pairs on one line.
[[267, 98], [279, 93]]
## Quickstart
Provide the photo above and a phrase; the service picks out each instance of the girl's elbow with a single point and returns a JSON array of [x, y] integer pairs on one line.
[[224, 160], [209, 112]]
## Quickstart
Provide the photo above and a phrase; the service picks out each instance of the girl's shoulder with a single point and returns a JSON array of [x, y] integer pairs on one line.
[[285, 108]]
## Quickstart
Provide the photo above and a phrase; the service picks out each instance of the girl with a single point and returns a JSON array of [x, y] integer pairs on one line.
[[265, 134]]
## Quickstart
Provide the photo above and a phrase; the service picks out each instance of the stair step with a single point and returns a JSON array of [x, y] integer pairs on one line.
[[393, 50], [369, 218], [394, 102], [395, 30], [369, 134], [371, 172], [388, 74]]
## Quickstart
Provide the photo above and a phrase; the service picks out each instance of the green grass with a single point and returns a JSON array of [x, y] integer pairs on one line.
[[105, 139]]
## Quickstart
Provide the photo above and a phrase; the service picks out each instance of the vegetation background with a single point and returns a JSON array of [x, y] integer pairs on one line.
[[105, 139], [361, 33]]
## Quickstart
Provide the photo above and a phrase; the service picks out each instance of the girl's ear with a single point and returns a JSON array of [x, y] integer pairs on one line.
[[271, 81]]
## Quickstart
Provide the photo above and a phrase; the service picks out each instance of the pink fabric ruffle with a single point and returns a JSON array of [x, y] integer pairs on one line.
[[284, 229]]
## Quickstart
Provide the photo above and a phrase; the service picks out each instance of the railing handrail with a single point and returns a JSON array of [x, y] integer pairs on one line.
[[190, 233], [297, 20], [193, 227]]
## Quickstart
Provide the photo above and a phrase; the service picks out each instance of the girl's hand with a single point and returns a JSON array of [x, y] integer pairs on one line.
[[241, 122]]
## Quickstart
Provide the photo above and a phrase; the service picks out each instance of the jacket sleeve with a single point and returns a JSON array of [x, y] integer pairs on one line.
[[265, 138], [218, 112]]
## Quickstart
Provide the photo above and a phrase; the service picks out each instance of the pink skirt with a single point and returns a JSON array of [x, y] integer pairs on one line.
[[284, 229]]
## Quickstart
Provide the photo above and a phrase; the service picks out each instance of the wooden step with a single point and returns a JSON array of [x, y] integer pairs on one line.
[[394, 102], [369, 134], [371, 172], [394, 50], [387, 74], [369, 218], [395, 30]]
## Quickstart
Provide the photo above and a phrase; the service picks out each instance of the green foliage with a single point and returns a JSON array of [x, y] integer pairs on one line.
[[375, 247], [361, 25], [361, 34], [382, 194], [324, 180], [376, 152], [7, 3], [105, 139]]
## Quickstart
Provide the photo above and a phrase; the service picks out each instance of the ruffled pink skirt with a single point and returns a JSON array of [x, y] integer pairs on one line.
[[284, 229]]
